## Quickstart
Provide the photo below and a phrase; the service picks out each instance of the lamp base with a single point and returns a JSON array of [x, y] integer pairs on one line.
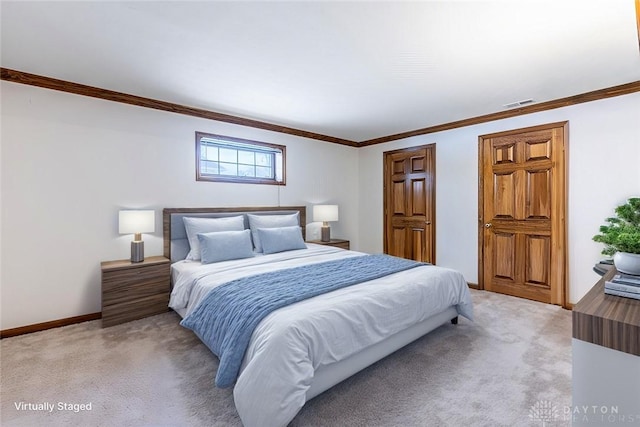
[[325, 233], [137, 251]]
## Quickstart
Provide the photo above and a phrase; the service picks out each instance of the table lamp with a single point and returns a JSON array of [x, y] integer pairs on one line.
[[325, 213], [137, 222]]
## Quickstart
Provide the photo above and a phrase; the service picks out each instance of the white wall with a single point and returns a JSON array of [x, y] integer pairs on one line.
[[604, 170], [69, 163]]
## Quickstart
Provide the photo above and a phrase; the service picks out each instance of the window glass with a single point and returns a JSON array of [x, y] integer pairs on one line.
[[223, 158], [247, 157]]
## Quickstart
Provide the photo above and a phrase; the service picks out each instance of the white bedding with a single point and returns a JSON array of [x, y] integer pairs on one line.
[[292, 342]]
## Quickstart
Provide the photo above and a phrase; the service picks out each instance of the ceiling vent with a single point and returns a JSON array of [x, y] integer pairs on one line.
[[518, 103]]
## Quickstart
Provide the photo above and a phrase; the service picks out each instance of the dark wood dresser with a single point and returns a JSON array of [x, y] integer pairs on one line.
[[605, 358], [608, 320]]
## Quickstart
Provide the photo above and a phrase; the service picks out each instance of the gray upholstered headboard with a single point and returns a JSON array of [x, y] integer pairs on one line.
[[176, 245]]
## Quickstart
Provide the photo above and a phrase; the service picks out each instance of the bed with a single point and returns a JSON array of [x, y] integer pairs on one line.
[[300, 350]]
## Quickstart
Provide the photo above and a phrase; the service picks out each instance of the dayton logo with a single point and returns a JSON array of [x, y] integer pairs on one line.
[[543, 411]]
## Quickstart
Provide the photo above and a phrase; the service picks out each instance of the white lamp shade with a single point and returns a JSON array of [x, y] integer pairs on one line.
[[132, 222], [325, 213]]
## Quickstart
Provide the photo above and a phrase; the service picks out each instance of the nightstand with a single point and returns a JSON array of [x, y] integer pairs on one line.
[[134, 290], [338, 243]]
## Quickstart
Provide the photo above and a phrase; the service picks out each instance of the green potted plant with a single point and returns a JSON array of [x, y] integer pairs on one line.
[[622, 237]]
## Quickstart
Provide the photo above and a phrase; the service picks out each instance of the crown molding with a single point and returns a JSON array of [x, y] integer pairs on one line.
[[110, 95], [532, 108], [95, 92]]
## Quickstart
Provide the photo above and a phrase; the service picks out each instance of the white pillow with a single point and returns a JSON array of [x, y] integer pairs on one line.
[[281, 239], [270, 221], [195, 226], [225, 245]]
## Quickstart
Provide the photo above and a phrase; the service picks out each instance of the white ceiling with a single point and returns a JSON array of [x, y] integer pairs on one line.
[[353, 70]]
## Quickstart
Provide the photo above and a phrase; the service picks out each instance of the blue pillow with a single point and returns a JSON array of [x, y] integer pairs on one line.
[[195, 225], [225, 245], [270, 221], [281, 239]]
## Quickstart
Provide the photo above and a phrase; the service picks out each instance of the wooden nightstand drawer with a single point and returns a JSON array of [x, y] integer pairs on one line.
[[338, 243], [135, 309], [117, 282], [134, 290], [126, 277], [118, 293]]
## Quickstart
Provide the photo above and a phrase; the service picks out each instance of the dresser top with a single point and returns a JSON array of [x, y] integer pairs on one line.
[[125, 263], [608, 320]]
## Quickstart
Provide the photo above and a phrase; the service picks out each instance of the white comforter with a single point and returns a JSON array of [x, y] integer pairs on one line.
[[292, 342]]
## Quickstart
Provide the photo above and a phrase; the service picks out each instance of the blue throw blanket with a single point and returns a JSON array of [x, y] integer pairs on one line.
[[227, 316]]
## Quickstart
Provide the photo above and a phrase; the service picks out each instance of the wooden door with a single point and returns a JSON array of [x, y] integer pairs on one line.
[[409, 203], [522, 213]]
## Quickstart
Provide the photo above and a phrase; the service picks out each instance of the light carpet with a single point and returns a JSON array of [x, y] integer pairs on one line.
[[153, 372]]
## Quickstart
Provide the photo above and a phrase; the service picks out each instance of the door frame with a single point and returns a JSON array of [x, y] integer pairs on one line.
[[560, 227], [430, 147]]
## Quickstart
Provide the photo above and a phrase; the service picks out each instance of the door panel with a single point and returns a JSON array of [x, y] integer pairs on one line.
[[417, 241], [505, 199], [418, 201], [522, 232], [537, 248], [503, 153], [504, 256], [538, 150], [539, 194], [398, 239], [409, 203], [418, 164], [398, 167], [399, 198]]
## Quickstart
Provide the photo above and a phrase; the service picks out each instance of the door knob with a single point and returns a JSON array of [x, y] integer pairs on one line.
[[488, 225], [428, 222]]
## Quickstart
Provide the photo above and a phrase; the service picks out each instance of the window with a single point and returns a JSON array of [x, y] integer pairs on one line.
[[223, 158]]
